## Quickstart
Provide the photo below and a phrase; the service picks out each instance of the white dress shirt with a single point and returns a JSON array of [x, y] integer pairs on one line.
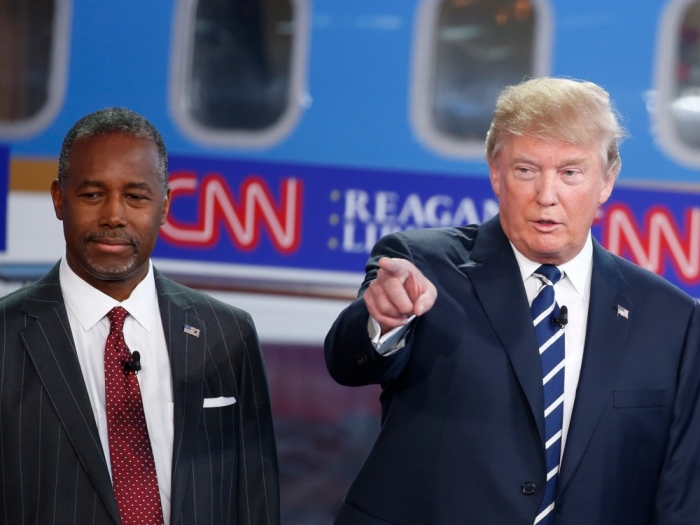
[[87, 310], [573, 291]]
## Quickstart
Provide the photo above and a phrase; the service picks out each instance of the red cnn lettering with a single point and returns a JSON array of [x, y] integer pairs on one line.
[[622, 236], [217, 206]]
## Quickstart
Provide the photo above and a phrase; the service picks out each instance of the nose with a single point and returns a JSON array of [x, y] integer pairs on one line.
[[546, 189], [113, 212]]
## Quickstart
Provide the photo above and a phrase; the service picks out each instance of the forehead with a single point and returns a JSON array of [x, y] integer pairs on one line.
[[113, 155], [550, 152]]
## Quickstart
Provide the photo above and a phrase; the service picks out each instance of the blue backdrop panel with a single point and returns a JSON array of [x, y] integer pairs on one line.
[[227, 210], [328, 218]]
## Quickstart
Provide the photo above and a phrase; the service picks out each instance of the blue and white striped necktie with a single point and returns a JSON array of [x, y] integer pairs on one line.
[[550, 338]]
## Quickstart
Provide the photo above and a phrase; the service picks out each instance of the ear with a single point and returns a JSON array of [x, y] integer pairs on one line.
[[166, 206], [607, 187], [57, 197], [494, 176]]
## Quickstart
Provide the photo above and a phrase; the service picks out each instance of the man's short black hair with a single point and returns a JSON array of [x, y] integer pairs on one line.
[[114, 120]]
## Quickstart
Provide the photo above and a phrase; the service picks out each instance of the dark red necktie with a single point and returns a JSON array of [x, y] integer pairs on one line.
[[133, 469]]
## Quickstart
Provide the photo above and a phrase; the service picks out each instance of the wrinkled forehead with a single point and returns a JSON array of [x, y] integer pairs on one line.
[[543, 149], [579, 138], [113, 156], [106, 145]]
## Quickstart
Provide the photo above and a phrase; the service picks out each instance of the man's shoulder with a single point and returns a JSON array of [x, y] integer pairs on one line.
[[44, 292], [204, 303], [460, 234], [440, 242], [646, 282], [45, 289], [14, 300]]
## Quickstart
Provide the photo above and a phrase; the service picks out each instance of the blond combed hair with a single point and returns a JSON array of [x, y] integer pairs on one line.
[[573, 111]]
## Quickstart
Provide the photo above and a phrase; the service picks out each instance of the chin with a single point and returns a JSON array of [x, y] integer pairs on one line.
[[545, 254], [112, 270]]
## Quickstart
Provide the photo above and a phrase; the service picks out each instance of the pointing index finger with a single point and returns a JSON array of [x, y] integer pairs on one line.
[[421, 292], [399, 268]]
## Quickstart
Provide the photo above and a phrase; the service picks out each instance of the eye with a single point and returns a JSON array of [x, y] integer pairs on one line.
[[136, 197], [524, 172], [90, 195]]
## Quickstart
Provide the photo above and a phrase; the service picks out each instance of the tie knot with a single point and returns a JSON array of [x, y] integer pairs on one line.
[[549, 273], [117, 315]]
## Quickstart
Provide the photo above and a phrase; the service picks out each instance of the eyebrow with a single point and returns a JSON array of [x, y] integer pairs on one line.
[[138, 186], [87, 183], [574, 161]]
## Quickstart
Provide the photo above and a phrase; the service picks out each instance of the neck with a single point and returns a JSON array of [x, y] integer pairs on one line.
[[118, 287]]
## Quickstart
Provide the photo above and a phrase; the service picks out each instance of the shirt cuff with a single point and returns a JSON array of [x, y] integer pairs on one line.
[[391, 341]]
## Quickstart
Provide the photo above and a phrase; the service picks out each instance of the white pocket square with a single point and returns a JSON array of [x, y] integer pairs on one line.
[[211, 402]]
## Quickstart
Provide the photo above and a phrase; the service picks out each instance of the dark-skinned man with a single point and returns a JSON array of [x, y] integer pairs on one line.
[[126, 398]]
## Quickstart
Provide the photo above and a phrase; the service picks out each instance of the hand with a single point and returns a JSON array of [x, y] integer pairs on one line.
[[399, 291]]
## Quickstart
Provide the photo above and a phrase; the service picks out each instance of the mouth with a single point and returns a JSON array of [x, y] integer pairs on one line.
[[112, 243], [545, 225]]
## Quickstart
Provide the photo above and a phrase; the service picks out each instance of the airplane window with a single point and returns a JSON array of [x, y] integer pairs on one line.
[[31, 55], [239, 78], [475, 48], [685, 103]]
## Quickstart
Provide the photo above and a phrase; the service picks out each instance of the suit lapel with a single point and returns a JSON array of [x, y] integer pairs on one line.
[[606, 335], [187, 358], [495, 276], [49, 343]]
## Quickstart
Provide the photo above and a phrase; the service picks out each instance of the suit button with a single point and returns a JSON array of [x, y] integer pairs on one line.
[[360, 359], [529, 488]]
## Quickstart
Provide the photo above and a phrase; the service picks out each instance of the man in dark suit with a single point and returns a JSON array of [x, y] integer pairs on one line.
[[83, 438], [500, 406]]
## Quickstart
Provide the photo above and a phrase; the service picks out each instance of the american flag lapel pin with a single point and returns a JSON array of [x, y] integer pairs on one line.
[[623, 312], [191, 330]]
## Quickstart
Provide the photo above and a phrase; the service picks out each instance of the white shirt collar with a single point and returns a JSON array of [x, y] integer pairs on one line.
[[90, 305], [578, 269]]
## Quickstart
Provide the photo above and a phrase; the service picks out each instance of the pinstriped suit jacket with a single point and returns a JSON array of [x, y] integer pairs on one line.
[[52, 466]]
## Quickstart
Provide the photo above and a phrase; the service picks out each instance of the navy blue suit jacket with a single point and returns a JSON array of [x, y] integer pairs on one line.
[[462, 403]]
